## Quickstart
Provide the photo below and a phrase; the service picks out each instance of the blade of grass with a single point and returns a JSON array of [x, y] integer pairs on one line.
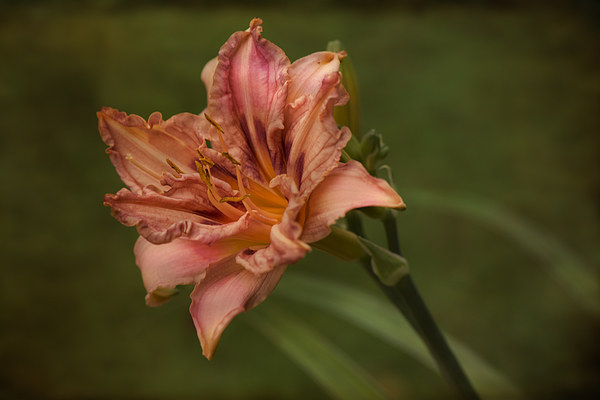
[[381, 319], [566, 267], [335, 371]]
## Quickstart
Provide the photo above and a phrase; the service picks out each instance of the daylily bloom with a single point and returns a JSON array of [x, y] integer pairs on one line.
[[227, 199]]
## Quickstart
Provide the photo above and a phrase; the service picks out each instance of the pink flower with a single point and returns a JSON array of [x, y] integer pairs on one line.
[[230, 215]]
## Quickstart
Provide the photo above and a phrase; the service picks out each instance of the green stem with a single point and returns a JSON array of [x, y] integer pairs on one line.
[[355, 225], [391, 232], [408, 300], [434, 339]]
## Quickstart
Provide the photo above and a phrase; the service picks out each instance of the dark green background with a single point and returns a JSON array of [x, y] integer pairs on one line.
[[497, 102]]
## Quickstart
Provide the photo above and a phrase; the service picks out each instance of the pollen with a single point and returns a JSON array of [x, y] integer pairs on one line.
[[220, 130], [214, 123], [174, 166], [233, 199], [230, 158], [204, 173], [204, 160]]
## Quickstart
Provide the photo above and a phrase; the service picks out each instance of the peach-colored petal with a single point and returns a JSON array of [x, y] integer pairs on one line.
[[308, 72], [285, 246], [227, 290], [247, 99], [180, 262], [139, 150], [313, 141], [208, 72], [160, 218], [347, 187]]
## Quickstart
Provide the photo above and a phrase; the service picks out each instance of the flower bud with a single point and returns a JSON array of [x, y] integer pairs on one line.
[[373, 150]]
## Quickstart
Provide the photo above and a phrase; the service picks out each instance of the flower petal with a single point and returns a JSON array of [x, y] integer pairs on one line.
[[180, 262], [182, 211], [247, 99], [313, 141], [139, 150], [347, 187], [227, 290], [285, 246], [307, 73], [208, 73]]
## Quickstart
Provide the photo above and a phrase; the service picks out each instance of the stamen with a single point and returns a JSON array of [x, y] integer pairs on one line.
[[213, 122], [263, 218], [234, 199], [132, 160], [230, 158], [225, 208], [219, 130], [204, 160], [220, 203], [175, 167], [203, 167], [204, 174]]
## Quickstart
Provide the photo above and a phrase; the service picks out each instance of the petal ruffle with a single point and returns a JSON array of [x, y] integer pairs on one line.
[[285, 246], [139, 150], [227, 290], [180, 262], [313, 141], [248, 97], [182, 211], [208, 73], [347, 187]]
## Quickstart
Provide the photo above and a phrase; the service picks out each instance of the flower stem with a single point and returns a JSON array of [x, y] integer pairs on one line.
[[407, 299], [391, 232], [355, 225], [434, 339]]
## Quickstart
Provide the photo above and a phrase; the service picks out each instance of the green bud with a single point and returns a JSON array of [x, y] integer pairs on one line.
[[373, 150]]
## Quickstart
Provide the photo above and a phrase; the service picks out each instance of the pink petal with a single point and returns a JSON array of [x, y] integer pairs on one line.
[[139, 150], [313, 142], [227, 290], [247, 99], [161, 218], [208, 73], [285, 246], [308, 72], [347, 187], [180, 262]]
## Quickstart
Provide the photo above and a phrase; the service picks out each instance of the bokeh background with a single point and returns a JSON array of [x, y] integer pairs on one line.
[[492, 114]]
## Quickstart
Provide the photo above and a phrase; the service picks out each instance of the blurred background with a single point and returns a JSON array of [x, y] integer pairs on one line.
[[491, 111]]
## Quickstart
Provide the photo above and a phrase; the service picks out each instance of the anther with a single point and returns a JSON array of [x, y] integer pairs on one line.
[[230, 158], [175, 167], [234, 199], [213, 123], [204, 160], [204, 173], [219, 129]]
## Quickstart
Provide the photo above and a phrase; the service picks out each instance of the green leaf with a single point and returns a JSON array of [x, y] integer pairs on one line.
[[564, 265], [337, 373], [389, 267], [381, 319]]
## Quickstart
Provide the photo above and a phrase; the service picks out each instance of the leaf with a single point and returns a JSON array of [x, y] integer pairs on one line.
[[564, 265], [384, 321], [337, 373], [389, 267]]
